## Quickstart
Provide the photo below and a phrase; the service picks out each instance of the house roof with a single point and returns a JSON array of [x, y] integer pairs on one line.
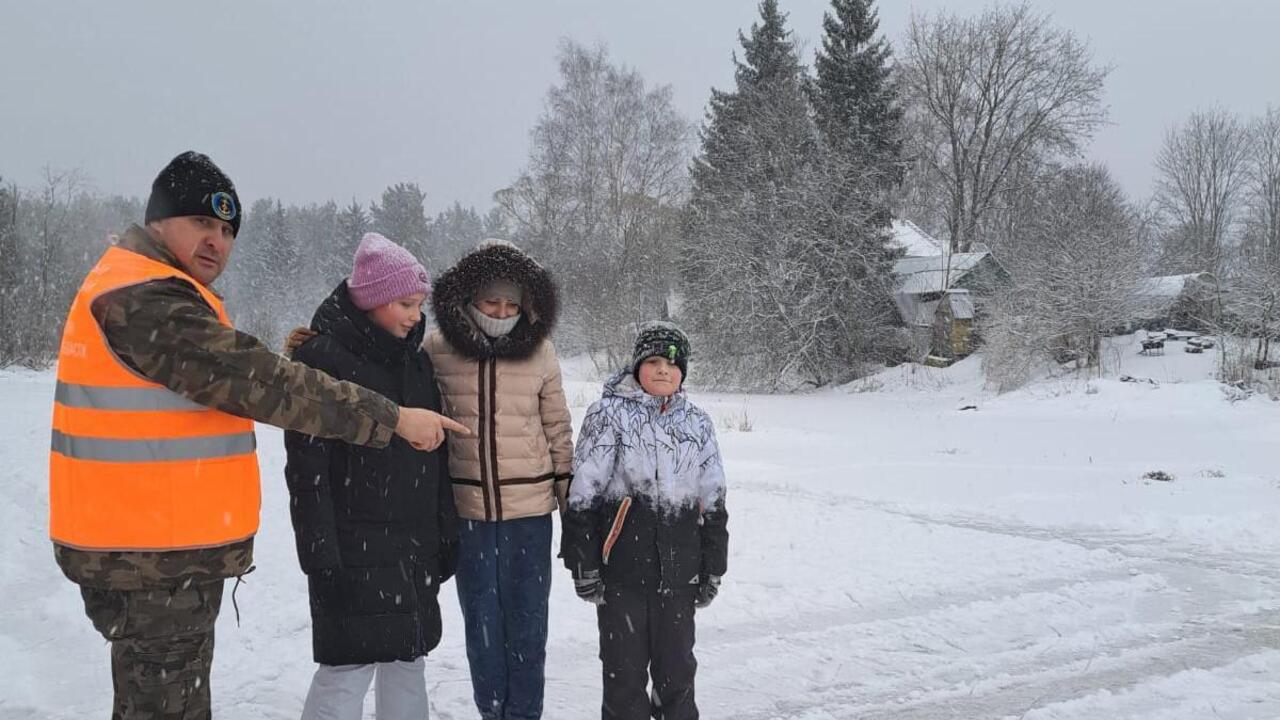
[[914, 311], [916, 242], [1168, 286], [931, 274], [929, 267]]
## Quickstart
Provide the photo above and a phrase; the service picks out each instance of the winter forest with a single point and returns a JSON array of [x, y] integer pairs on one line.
[[779, 204], [997, 426]]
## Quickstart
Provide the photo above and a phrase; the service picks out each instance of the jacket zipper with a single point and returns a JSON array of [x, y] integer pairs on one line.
[[480, 448], [493, 438], [664, 587]]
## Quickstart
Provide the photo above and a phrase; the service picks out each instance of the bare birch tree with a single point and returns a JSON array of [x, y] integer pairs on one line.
[[984, 94], [599, 199], [1262, 190], [1201, 174]]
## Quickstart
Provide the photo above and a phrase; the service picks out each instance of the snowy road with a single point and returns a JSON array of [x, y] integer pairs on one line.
[[1028, 648], [891, 558]]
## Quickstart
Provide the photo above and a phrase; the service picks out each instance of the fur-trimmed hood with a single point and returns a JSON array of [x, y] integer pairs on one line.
[[457, 287]]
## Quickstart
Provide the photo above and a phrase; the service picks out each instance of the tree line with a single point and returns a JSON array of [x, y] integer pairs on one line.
[[286, 257], [765, 228]]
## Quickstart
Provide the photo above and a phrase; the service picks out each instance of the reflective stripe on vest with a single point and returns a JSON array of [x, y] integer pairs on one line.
[[132, 464], [115, 398], [141, 451]]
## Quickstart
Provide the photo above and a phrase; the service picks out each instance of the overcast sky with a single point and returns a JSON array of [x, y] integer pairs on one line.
[[315, 100]]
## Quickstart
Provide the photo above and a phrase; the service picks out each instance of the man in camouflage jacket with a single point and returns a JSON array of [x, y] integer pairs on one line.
[[158, 609]]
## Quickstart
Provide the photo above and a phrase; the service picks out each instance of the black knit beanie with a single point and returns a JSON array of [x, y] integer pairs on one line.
[[192, 185], [661, 338]]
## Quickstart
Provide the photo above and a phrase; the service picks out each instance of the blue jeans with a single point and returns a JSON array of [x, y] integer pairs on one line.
[[504, 584]]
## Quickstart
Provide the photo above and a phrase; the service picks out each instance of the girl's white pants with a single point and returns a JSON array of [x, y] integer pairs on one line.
[[337, 691]]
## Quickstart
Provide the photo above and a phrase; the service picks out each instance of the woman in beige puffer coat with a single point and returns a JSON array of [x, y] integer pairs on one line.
[[499, 376]]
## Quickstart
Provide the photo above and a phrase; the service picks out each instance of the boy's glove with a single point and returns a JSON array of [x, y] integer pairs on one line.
[[708, 588], [589, 587]]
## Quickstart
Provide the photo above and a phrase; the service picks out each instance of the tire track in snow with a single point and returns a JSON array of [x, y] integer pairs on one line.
[[1209, 630], [1132, 545], [1040, 684]]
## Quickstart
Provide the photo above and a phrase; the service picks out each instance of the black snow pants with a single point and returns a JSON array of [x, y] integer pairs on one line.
[[647, 633]]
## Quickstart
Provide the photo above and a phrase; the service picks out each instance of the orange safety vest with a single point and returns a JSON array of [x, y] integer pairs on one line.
[[134, 465]]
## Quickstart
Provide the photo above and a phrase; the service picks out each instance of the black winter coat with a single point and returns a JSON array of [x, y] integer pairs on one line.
[[376, 529], [656, 547]]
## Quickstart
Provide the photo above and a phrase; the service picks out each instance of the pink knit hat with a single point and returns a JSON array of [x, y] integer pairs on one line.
[[383, 271]]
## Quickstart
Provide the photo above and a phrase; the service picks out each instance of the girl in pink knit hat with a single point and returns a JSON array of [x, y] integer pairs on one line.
[[376, 530]]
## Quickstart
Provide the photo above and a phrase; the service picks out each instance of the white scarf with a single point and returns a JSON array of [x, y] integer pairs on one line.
[[492, 327]]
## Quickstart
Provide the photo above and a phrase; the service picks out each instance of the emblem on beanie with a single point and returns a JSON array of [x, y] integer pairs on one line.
[[672, 352], [224, 206]]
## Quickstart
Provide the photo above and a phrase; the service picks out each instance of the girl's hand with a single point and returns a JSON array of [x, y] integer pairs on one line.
[[296, 338]]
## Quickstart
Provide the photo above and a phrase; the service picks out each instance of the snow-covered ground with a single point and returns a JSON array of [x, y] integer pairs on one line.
[[892, 556]]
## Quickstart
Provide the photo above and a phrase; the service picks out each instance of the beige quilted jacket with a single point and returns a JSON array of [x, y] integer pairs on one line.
[[519, 459], [522, 442]]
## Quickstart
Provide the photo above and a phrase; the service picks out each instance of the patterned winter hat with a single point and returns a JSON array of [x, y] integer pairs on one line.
[[661, 338], [192, 185]]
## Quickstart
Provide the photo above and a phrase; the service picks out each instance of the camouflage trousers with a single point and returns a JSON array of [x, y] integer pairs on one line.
[[161, 648]]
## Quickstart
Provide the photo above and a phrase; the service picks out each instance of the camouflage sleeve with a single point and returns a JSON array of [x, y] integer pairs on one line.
[[166, 332]]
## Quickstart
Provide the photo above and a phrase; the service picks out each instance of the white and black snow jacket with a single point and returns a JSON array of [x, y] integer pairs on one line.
[[647, 501]]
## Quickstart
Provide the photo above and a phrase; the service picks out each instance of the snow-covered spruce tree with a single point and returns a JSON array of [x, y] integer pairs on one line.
[[454, 232], [783, 276], [856, 104], [310, 233], [266, 283], [320, 254], [854, 96], [496, 223], [402, 216], [599, 200], [352, 223], [1076, 276]]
